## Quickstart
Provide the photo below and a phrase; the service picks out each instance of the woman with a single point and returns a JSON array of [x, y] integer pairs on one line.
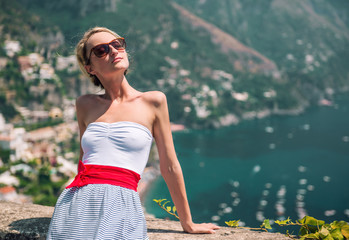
[[116, 132]]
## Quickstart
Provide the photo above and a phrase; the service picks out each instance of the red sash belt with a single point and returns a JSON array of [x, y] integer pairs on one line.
[[99, 174]]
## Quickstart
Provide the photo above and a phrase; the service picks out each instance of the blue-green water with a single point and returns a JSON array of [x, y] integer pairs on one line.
[[275, 168]]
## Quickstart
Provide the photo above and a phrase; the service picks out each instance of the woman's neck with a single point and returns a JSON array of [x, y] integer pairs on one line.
[[117, 88]]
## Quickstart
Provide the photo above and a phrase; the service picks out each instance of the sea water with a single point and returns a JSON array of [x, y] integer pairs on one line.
[[274, 168]]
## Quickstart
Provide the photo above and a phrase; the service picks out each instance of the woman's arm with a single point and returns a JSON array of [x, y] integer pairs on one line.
[[80, 110], [171, 169]]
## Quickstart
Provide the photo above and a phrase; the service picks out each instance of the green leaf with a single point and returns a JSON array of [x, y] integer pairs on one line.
[[311, 221], [174, 209], [324, 232], [159, 200], [303, 231], [266, 224], [345, 231], [328, 237], [336, 234], [233, 223], [311, 236], [338, 224], [284, 222]]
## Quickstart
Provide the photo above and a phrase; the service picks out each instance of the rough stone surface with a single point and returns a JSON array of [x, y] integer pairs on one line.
[[30, 221]]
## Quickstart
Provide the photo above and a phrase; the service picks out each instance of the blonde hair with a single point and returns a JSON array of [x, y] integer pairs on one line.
[[81, 52]]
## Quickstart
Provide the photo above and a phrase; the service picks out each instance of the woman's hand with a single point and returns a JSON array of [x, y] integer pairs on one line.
[[201, 228]]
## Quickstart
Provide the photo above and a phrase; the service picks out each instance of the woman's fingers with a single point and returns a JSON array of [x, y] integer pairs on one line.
[[204, 228]]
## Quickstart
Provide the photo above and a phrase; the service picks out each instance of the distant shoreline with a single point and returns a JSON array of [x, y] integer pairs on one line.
[[177, 127]]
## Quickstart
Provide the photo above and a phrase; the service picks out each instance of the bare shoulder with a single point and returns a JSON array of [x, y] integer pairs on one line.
[[155, 98], [85, 100]]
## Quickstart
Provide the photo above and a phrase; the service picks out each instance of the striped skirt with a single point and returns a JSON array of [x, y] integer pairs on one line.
[[98, 211]]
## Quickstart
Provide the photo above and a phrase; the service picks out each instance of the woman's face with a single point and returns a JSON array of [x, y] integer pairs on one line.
[[112, 62]]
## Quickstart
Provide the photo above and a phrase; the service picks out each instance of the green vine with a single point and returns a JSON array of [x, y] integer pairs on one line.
[[264, 227], [168, 209], [310, 228]]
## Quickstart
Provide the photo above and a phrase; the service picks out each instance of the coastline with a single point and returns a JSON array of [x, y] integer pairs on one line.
[[152, 171], [232, 119]]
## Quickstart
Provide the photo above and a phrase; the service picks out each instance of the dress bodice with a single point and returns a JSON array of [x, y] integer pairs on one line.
[[120, 144]]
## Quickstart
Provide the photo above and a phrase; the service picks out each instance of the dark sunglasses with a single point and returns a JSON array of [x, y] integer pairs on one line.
[[101, 50]]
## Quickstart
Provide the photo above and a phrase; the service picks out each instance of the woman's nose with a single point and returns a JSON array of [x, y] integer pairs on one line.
[[113, 50]]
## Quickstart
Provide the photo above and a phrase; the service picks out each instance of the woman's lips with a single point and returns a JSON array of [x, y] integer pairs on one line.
[[117, 59]]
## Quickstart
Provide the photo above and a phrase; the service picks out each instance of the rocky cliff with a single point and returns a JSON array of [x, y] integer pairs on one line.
[[30, 221]]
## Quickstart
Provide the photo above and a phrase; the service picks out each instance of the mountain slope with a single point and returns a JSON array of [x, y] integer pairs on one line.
[[304, 38], [212, 58], [256, 62]]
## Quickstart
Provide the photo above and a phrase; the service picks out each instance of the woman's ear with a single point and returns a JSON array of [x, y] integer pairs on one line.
[[89, 69]]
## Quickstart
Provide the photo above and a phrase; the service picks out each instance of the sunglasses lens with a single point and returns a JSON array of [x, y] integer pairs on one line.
[[118, 44], [101, 50]]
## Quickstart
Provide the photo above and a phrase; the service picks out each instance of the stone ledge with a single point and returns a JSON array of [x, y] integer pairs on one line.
[[31, 221]]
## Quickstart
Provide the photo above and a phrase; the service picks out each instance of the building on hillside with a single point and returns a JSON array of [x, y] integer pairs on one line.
[[35, 59], [3, 62], [41, 134], [55, 113], [68, 110], [18, 144], [9, 194], [7, 179], [2, 123], [29, 65], [12, 47], [46, 71], [26, 68], [70, 63], [12, 138], [39, 115], [5, 142]]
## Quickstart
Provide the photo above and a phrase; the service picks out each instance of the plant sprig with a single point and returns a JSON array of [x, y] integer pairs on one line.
[[310, 228], [168, 209], [264, 227]]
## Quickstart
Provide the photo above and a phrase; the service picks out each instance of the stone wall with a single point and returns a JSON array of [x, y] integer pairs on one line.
[[30, 221]]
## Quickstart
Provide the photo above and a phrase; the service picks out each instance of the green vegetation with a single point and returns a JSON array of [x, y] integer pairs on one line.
[[38, 183], [7, 109], [5, 157], [310, 228], [46, 123]]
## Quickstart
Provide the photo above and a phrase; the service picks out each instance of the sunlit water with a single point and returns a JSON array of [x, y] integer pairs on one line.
[[272, 168]]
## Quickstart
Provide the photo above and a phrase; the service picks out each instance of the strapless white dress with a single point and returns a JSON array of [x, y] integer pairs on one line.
[[105, 211]]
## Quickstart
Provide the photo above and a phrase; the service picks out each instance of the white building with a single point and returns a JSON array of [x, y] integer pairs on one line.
[[12, 47], [46, 71], [69, 63], [240, 96], [18, 144], [2, 123], [7, 179], [35, 59]]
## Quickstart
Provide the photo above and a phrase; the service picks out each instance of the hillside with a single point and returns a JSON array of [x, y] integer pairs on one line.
[[308, 40], [256, 62], [217, 61]]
